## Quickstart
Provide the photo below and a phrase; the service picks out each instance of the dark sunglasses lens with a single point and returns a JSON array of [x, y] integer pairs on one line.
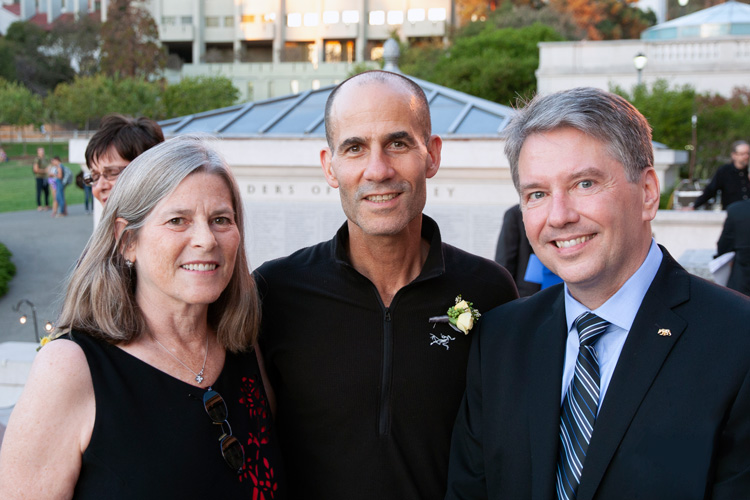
[[215, 406], [233, 453]]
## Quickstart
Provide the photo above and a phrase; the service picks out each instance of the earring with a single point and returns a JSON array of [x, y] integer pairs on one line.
[[129, 263]]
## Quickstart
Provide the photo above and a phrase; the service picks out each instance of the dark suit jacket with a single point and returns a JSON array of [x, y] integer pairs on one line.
[[513, 250], [735, 237], [675, 421]]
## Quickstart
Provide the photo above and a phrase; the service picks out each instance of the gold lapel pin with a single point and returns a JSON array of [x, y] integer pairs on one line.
[[664, 332]]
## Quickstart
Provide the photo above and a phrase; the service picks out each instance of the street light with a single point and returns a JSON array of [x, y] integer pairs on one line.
[[639, 61], [23, 318]]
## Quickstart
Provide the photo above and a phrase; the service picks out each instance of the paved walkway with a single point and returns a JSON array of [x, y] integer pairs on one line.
[[44, 251]]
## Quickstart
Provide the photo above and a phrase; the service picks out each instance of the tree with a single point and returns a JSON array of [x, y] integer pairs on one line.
[[496, 64], [202, 93], [19, 107], [87, 99], [130, 42], [37, 66], [79, 41], [607, 19], [720, 120]]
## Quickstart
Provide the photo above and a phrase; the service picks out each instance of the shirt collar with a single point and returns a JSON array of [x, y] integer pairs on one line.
[[621, 308], [433, 266]]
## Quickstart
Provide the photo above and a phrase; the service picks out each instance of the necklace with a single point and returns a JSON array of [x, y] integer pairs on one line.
[[199, 375]]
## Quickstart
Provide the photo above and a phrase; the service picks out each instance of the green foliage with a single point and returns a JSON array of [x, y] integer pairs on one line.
[[7, 60], [196, 94], [78, 39], [720, 121], [87, 99], [669, 111], [130, 42], [37, 68], [18, 106], [495, 64], [7, 269]]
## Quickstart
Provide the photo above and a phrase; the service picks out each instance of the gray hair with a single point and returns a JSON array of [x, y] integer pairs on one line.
[[737, 144], [386, 78], [597, 113], [100, 298]]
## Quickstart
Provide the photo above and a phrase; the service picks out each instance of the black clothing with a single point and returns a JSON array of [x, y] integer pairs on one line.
[[152, 437], [731, 181], [367, 394], [735, 237], [513, 250]]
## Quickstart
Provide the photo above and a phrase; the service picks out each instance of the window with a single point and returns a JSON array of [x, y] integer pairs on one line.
[[330, 17], [294, 84], [395, 17], [269, 18], [350, 17], [294, 20], [248, 18], [229, 21], [186, 20], [311, 19], [212, 22], [435, 15], [169, 20], [415, 15], [377, 17]]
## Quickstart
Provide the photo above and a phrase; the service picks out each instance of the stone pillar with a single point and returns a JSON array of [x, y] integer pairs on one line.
[[361, 43], [199, 45], [279, 35]]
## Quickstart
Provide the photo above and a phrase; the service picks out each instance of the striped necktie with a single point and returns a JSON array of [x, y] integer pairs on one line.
[[579, 408]]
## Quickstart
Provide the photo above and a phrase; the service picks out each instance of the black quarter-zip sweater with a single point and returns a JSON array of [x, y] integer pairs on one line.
[[367, 394]]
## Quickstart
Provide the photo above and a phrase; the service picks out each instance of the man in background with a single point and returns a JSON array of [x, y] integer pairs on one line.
[[513, 251], [40, 174], [730, 179], [735, 237]]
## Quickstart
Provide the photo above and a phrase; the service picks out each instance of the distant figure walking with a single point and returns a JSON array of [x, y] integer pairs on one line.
[[735, 237], [40, 173], [60, 178], [731, 179]]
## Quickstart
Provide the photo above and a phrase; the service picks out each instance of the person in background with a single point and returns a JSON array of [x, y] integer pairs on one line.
[[62, 207], [39, 168], [85, 184], [3, 156], [735, 237], [52, 182], [155, 388], [514, 251], [367, 387], [631, 379], [730, 179], [119, 140]]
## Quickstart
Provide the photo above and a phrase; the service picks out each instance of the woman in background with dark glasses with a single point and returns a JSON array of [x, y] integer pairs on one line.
[[155, 389]]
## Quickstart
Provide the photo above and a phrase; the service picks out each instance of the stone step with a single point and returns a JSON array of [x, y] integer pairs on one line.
[[15, 364]]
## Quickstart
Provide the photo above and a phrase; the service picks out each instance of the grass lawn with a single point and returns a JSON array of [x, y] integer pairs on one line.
[[17, 182]]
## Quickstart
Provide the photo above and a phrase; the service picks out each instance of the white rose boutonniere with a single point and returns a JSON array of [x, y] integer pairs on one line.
[[460, 317]]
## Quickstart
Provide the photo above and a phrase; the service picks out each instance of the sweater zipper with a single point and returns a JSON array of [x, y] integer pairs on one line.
[[384, 427]]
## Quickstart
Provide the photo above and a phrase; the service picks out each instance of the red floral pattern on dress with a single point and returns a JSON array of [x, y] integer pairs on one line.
[[257, 468]]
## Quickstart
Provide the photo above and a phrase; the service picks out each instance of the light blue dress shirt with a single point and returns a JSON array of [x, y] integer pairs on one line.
[[620, 311]]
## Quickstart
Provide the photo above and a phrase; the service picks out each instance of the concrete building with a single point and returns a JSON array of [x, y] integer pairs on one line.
[[709, 50]]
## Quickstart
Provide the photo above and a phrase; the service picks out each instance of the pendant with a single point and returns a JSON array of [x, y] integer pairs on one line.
[[199, 377]]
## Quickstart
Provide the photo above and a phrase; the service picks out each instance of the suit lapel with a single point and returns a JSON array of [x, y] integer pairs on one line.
[[642, 357], [544, 401]]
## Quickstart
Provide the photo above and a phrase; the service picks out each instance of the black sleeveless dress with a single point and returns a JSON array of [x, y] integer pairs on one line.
[[152, 437]]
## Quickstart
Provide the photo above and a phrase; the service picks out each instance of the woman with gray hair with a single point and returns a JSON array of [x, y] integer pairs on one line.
[[154, 387]]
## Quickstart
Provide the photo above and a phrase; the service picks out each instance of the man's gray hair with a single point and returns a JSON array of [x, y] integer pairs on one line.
[[602, 115], [100, 298]]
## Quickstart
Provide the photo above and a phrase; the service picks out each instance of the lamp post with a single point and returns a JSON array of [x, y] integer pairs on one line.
[[23, 318], [639, 61]]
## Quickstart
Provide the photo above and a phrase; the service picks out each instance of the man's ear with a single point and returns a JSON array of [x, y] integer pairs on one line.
[[434, 148], [651, 193], [325, 161]]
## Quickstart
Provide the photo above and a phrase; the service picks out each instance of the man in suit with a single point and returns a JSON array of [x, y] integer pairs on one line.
[[651, 398], [735, 237]]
